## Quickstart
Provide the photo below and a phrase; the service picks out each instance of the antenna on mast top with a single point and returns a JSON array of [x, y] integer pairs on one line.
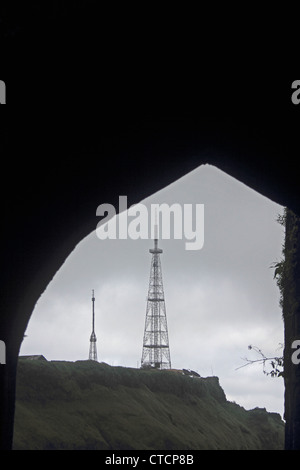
[[155, 249], [155, 225]]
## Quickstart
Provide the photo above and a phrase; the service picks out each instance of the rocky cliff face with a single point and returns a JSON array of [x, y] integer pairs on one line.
[[87, 405]]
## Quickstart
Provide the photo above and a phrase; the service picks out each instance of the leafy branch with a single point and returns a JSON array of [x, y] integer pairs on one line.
[[276, 363]]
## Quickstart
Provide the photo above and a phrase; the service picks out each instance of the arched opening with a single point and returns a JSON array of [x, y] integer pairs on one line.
[[219, 299]]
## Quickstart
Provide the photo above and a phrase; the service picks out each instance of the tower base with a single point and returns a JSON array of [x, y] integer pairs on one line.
[[93, 348]]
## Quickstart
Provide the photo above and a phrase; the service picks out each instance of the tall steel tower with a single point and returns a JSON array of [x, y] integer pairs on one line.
[[93, 339], [156, 352]]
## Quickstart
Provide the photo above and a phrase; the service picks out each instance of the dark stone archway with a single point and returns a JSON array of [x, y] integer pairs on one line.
[[51, 204], [130, 127]]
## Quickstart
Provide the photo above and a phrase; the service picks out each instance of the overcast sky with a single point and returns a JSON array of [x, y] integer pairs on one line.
[[218, 299]]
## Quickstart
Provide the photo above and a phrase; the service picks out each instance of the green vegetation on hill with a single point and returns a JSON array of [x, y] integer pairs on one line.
[[90, 405]]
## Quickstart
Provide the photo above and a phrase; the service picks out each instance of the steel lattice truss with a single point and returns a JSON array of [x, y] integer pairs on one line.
[[156, 352]]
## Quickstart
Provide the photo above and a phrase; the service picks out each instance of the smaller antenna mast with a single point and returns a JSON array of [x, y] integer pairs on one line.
[[93, 339]]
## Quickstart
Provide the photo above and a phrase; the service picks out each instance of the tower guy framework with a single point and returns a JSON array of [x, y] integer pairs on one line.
[[156, 352], [93, 339]]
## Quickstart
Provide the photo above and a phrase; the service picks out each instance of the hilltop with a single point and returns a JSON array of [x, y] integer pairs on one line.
[[90, 405]]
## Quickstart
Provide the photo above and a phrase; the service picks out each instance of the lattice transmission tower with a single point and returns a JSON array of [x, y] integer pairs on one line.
[[156, 351], [93, 339]]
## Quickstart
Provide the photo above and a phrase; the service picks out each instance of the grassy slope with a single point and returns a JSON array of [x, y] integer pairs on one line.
[[87, 405]]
